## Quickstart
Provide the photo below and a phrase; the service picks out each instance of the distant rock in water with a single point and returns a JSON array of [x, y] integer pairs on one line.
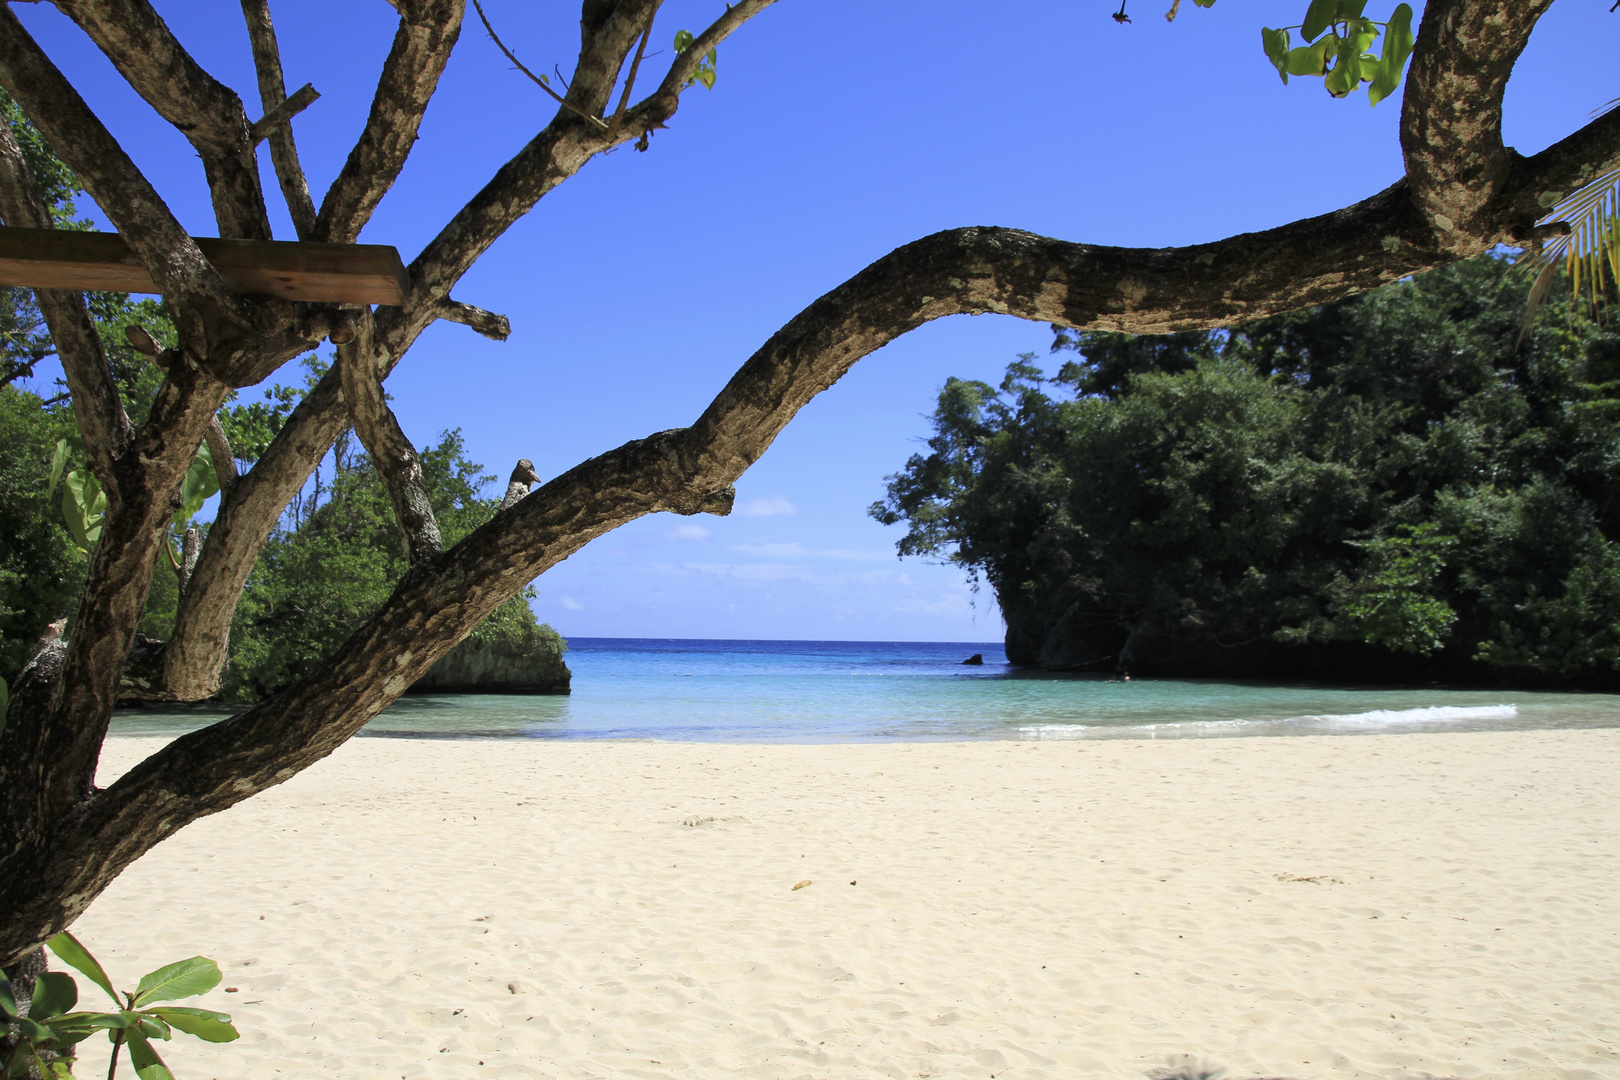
[[977, 659], [527, 664]]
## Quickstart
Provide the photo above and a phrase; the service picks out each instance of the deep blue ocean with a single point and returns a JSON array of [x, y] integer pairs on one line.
[[861, 691]]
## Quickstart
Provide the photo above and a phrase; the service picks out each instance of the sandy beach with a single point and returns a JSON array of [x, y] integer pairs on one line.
[[1379, 906]]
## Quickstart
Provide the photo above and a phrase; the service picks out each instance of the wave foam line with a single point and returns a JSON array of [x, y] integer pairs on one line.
[[1373, 718]]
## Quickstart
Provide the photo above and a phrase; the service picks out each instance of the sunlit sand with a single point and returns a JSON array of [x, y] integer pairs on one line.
[[1389, 906]]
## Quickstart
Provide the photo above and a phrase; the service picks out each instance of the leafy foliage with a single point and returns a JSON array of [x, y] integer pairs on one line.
[[49, 1032], [40, 571], [1391, 470], [1337, 39], [338, 557], [705, 70]]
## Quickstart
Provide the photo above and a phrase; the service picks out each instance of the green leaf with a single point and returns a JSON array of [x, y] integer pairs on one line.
[[209, 1026], [200, 483], [683, 40], [1346, 73], [1397, 47], [1308, 59], [55, 993], [33, 1031], [68, 950], [59, 460], [1275, 42], [1351, 9], [187, 978], [1318, 16], [83, 506], [8, 1001], [88, 1022], [144, 1057]]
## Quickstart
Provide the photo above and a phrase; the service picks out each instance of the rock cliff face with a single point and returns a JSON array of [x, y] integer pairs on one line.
[[499, 667]]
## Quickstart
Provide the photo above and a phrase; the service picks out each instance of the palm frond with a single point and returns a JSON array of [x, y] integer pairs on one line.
[[1589, 252]]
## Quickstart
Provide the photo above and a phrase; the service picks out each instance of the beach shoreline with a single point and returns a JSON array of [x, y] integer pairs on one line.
[[1398, 905]]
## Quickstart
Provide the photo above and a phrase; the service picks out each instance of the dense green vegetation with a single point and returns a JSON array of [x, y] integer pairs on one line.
[[337, 558], [1389, 487]]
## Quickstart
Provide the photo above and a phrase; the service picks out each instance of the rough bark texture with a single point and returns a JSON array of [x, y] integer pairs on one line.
[[62, 841]]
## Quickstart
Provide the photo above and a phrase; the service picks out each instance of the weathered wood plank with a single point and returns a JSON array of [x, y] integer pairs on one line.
[[329, 273]]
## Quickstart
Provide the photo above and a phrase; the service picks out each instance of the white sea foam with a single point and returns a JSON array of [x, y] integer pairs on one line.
[[1371, 720]]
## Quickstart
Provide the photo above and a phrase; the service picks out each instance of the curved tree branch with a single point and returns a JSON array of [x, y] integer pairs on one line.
[[209, 114], [427, 32], [1451, 118]]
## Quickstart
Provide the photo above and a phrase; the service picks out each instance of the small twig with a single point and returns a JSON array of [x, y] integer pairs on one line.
[[539, 81], [302, 98], [630, 80], [557, 71], [1169, 16]]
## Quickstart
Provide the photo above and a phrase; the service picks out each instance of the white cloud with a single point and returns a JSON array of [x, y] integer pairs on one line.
[[776, 550], [798, 550], [765, 507], [689, 532], [569, 603]]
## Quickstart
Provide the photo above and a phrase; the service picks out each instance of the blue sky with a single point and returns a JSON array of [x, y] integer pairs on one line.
[[838, 130]]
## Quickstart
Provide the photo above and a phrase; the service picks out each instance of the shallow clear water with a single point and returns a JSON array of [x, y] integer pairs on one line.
[[842, 691]]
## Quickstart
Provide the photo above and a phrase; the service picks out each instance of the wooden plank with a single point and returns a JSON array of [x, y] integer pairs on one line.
[[328, 273]]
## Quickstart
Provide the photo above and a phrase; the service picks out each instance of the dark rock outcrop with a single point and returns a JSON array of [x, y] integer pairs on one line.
[[479, 666]]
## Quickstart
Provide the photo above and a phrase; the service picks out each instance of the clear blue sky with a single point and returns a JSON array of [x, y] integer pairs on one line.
[[838, 130]]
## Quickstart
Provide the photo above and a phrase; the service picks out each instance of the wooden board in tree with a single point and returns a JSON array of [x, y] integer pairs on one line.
[[329, 273]]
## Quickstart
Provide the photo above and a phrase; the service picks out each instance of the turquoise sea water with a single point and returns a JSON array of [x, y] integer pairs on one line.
[[843, 691]]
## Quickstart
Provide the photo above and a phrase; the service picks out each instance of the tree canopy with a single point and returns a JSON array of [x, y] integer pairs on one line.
[[1396, 472], [63, 839]]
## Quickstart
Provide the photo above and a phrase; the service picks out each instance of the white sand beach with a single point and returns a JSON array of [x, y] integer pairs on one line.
[[1381, 906]]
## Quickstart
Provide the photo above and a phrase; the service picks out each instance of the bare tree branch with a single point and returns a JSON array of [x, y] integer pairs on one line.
[[427, 32], [539, 80], [209, 114], [282, 114], [272, 93], [391, 452], [490, 325]]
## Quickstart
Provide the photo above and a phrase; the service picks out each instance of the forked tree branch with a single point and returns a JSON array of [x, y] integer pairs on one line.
[[273, 93], [427, 33], [209, 114]]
